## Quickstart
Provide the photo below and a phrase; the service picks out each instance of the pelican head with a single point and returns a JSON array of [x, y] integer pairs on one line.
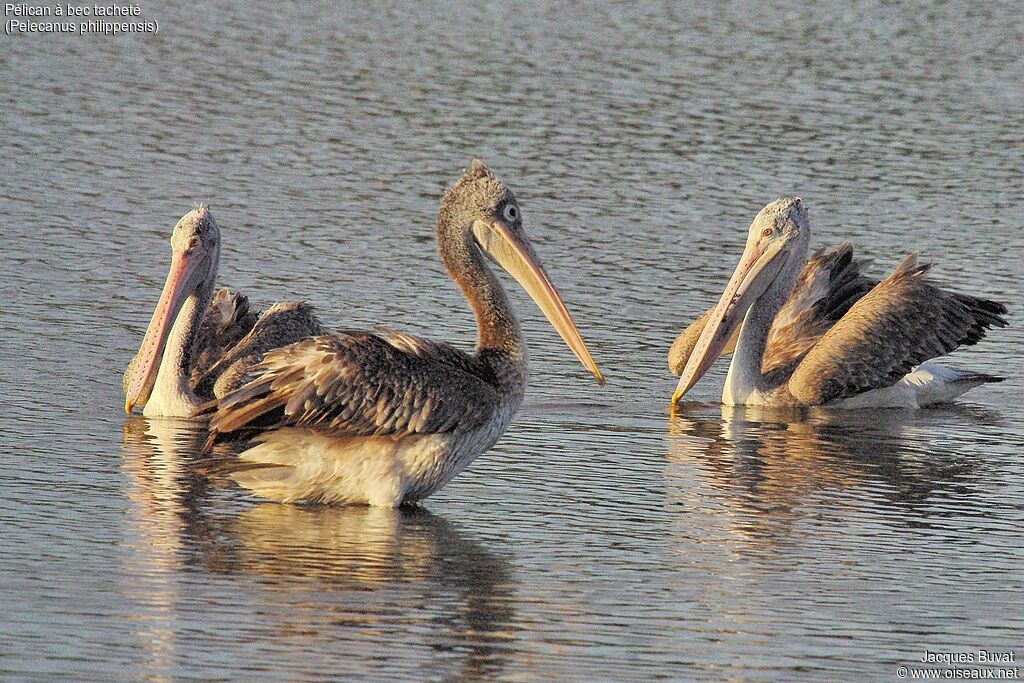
[[777, 242], [487, 212], [195, 254]]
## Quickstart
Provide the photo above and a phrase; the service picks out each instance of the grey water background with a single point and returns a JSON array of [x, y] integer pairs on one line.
[[602, 538]]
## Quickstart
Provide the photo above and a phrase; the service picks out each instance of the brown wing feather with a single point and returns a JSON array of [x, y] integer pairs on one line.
[[225, 321], [357, 384], [829, 284], [426, 348], [282, 324], [902, 322]]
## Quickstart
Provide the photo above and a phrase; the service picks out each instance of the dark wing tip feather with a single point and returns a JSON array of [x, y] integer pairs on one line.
[[217, 467], [206, 409], [902, 322], [241, 413], [251, 406], [216, 440], [982, 315]]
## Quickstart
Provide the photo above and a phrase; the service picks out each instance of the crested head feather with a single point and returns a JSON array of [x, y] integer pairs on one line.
[[475, 194], [199, 219], [478, 169]]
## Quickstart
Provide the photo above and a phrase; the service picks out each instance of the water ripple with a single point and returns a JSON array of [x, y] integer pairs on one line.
[[601, 538]]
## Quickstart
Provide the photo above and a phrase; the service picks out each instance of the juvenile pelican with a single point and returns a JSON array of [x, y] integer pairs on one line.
[[200, 343], [387, 418], [853, 345]]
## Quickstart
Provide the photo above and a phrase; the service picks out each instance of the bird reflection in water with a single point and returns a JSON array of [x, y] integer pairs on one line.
[[371, 578], [767, 466], [162, 517]]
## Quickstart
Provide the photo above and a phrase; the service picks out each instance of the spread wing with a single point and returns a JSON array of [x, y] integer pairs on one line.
[[829, 284], [360, 384], [902, 322]]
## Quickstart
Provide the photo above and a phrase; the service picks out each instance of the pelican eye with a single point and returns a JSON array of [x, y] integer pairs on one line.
[[510, 213], [767, 232], [193, 243]]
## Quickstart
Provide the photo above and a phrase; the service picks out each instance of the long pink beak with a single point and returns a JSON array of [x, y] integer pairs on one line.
[[146, 364], [756, 270]]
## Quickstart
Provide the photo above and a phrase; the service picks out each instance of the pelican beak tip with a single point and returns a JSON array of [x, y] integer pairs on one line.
[[128, 407], [678, 394]]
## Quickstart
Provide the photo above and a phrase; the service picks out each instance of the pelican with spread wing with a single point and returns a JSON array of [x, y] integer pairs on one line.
[[385, 418], [817, 332]]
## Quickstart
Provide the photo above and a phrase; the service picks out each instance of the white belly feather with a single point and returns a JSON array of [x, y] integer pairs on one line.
[[384, 471]]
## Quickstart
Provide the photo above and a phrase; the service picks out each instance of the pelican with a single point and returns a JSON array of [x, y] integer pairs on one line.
[[837, 338], [385, 418], [829, 284], [201, 343]]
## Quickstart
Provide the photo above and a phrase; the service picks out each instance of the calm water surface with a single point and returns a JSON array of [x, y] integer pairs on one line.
[[602, 539]]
